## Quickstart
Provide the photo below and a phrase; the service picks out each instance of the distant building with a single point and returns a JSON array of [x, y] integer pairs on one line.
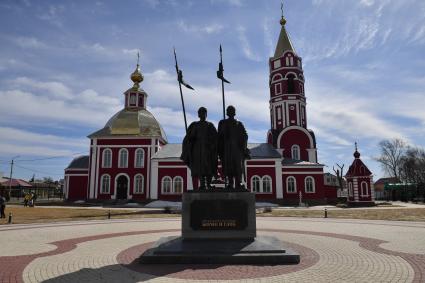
[[17, 186], [130, 158], [380, 185]]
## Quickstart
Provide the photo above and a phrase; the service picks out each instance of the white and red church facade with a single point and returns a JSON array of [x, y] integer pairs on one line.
[[130, 157]]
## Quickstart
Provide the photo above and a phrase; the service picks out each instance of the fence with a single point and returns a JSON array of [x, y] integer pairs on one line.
[[42, 194]]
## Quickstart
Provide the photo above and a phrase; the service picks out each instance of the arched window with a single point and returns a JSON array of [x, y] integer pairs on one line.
[[350, 189], [166, 185], [107, 158], [291, 85], [139, 158], [267, 184], [138, 184], [276, 77], [255, 184], [289, 60], [133, 99], [309, 184], [177, 185], [123, 158], [105, 184], [365, 191], [291, 185], [295, 152]]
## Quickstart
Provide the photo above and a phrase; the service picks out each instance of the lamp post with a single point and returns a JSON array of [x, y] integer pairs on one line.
[[11, 172]]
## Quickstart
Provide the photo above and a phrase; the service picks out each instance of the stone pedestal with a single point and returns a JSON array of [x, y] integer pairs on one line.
[[219, 228], [218, 215]]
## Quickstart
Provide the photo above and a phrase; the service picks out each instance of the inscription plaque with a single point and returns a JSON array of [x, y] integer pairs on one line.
[[218, 215]]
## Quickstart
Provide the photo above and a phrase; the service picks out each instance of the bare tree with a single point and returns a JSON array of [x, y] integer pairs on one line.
[[339, 174], [391, 154], [412, 169]]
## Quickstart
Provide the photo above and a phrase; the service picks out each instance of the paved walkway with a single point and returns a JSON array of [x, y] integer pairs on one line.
[[332, 250]]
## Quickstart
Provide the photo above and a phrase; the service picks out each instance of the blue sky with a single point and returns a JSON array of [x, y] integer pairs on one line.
[[65, 64]]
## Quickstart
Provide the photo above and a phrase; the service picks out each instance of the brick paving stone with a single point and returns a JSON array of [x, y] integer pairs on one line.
[[333, 250]]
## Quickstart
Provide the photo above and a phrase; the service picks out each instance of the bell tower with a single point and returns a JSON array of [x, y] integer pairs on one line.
[[288, 102]]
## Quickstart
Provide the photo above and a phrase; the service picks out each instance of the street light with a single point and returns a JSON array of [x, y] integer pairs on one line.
[[11, 172]]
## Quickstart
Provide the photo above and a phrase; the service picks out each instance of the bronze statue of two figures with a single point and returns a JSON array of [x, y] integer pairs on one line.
[[203, 145]]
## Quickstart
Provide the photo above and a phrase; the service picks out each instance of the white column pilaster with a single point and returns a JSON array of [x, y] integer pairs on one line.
[[154, 180], [278, 177], [92, 169]]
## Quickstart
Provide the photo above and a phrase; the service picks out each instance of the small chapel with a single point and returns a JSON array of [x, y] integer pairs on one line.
[[131, 159]]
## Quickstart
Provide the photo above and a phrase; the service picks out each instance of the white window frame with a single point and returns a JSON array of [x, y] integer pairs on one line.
[[263, 189], [297, 148], [170, 181], [362, 190], [278, 88], [253, 179], [287, 185], [104, 165], [141, 188], [120, 158], [313, 185], [136, 159], [180, 178], [350, 189], [102, 182]]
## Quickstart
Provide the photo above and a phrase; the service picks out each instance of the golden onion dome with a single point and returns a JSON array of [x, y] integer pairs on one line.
[[136, 77], [129, 122]]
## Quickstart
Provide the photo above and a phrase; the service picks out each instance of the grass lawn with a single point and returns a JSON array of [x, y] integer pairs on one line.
[[403, 214], [46, 214]]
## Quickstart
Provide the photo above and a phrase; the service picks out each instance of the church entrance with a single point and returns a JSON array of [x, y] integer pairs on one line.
[[122, 187]]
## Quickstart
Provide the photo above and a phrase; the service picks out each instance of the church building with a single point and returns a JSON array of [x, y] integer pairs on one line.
[[131, 159]]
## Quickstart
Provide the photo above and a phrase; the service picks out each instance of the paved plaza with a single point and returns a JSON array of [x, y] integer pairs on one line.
[[332, 250]]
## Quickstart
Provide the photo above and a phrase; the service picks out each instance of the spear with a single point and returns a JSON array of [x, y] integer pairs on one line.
[[223, 80], [181, 82]]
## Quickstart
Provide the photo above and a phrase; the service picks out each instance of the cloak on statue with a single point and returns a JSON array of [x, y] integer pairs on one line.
[[199, 150], [232, 146]]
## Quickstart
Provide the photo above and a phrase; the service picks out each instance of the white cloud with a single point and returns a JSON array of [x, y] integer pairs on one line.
[[31, 150], [15, 136], [133, 51], [29, 42], [52, 89], [152, 3], [367, 3], [246, 99], [34, 102], [268, 41], [206, 29], [237, 3], [53, 15], [336, 110], [246, 47]]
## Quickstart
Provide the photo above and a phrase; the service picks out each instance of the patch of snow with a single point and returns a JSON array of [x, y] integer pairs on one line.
[[164, 204], [265, 204], [80, 201]]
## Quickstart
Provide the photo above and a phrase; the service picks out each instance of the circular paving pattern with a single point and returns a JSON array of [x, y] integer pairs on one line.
[[129, 259], [108, 251]]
